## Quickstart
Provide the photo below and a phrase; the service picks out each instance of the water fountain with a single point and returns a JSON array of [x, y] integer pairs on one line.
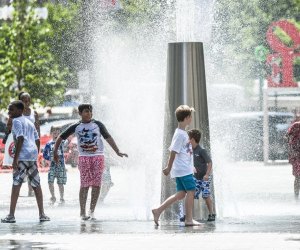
[[130, 87], [129, 77]]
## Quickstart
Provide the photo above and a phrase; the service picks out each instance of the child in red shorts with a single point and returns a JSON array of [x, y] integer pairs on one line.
[[89, 133]]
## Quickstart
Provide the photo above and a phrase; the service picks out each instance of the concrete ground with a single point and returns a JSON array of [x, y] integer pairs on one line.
[[255, 205]]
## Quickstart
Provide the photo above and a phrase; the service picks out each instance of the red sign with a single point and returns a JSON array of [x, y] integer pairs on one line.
[[282, 60]]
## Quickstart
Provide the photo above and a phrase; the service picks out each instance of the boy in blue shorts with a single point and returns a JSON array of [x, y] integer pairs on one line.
[[181, 167], [56, 170], [203, 169]]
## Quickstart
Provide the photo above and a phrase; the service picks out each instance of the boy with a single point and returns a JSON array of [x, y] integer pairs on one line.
[[89, 135], [203, 168], [27, 145], [181, 167], [56, 170]]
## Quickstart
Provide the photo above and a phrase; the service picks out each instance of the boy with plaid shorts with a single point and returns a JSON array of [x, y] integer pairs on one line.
[[203, 168], [57, 171], [27, 146]]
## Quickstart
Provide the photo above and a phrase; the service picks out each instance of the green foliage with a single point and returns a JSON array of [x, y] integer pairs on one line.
[[241, 26], [140, 13], [34, 55], [64, 21]]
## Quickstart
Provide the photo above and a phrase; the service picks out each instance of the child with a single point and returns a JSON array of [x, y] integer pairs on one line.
[[32, 116], [203, 168], [56, 170], [27, 145], [89, 134], [181, 167]]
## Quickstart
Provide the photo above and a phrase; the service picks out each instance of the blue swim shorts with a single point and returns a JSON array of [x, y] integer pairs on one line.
[[185, 183], [202, 187]]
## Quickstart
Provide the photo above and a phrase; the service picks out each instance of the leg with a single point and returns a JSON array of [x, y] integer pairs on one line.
[[169, 201], [189, 204], [209, 204], [18, 177], [39, 199], [83, 193], [51, 189], [51, 178], [94, 198], [61, 180], [34, 178], [15, 191], [61, 192], [30, 189]]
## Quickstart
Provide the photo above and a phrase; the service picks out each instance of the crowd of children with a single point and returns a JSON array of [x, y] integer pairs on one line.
[[89, 133], [188, 163]]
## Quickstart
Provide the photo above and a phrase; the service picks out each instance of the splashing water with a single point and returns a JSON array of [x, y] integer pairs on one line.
[[130, 74]]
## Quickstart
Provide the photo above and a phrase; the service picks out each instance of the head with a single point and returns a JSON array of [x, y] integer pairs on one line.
[[25, 98], [15, 109], [54, 132], [85, 111], [184, 114], [195, 136]]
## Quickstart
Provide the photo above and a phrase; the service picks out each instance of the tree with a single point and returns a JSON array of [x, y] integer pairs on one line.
[[26, 60], [63, 39]]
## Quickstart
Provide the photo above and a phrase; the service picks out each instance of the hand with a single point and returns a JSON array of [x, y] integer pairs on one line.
[[205, 177], [166, 171], [122, 154]]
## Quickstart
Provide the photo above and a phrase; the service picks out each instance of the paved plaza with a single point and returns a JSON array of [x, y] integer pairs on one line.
[[255, 205]]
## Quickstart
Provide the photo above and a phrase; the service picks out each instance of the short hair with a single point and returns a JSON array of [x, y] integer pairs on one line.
[[182, 112], [21, 94], [18, 104], [194, 134], [83, 106], [55, 128]]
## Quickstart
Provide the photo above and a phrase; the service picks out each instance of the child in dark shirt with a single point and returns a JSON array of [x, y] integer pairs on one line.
[[203, 169]]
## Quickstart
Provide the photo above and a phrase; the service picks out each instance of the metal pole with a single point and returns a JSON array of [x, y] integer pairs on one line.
[[186, 84]]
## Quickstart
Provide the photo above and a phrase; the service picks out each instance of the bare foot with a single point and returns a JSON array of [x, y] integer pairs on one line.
[[192, 223], [155, 216]]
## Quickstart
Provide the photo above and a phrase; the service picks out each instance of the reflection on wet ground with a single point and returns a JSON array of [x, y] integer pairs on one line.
[[23, 244], [228, 225]]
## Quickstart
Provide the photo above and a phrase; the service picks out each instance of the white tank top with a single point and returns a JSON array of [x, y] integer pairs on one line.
[[30, 117]]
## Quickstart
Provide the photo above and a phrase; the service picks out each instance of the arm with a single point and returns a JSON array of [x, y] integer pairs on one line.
[[63, 136], [18, 146], [114, 146], [167, 170], [37, 123], [56, 145], [37, 142], [208, 171]]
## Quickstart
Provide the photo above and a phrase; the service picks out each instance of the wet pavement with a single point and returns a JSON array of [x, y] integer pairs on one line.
[[255, 206]]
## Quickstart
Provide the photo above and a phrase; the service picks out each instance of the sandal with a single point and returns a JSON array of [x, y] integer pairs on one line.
[[9, 219], [44, 218], [84, 217]]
